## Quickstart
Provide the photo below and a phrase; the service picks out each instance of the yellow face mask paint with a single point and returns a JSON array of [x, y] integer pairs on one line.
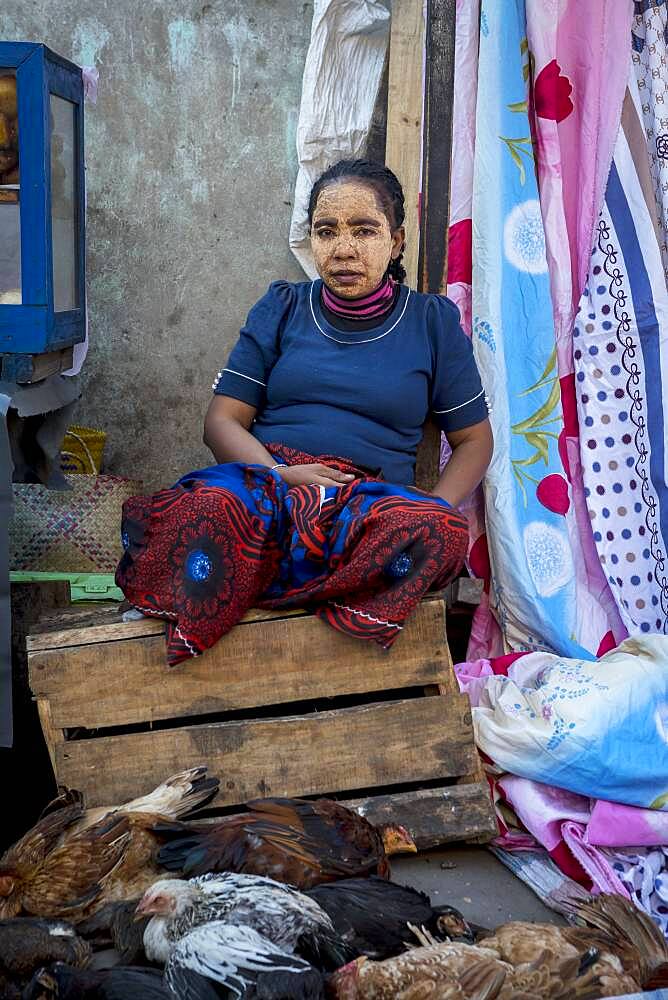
[[351, 239]]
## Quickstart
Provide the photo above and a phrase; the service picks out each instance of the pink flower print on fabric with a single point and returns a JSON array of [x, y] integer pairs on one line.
[[552, 492], [460, 252], [551, 93]]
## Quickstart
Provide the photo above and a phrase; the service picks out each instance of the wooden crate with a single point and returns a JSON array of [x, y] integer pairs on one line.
[[282, 705]]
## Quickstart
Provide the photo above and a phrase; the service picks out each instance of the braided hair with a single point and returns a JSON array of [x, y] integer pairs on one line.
[[387, 188]]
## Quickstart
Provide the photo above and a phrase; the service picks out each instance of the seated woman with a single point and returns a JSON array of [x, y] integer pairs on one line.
[[315, 423]]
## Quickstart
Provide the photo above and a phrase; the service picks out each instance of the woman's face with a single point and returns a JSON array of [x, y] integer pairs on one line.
[[351, 238]]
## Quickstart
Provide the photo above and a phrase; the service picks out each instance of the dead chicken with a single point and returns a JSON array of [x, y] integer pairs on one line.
[[62, 982], [116, 925], [372, 915], [27, 942], [74, 862], [177, 797], [43, 877], [296, 841], [622, 951]]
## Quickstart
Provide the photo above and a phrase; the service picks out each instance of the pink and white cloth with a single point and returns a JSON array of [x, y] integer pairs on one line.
[[586, 837], [567, 70]]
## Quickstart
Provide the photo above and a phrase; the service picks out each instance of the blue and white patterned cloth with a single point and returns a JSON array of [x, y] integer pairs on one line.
[[596, 728], [533, 548]]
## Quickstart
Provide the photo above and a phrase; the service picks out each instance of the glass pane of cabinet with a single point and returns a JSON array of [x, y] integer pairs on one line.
[[10, 230], [64, 204]]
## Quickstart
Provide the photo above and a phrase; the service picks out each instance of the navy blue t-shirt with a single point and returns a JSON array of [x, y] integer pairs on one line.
[[361, 395]]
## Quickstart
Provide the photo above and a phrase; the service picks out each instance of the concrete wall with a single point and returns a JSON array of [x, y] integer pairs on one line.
[[190, 169]]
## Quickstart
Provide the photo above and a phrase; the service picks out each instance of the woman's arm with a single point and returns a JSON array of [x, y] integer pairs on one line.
[[471, 454], [227, 433]]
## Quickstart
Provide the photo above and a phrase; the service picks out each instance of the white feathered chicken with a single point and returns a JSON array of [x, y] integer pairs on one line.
[[244, 962], [283, 915]]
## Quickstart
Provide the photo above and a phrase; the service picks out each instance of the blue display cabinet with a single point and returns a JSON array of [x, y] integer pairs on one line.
[[42, 249]]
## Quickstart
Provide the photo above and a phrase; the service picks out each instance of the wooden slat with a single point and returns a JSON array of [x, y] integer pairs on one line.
[[78, 634], [435, 816], [79, 626], [52, 735], [362, 747], [432, 816], [82, 624], [266, 663], [27, 771], [404, 117]]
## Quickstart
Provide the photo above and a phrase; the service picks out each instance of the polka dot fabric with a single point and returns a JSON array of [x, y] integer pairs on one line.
[[611, 400]]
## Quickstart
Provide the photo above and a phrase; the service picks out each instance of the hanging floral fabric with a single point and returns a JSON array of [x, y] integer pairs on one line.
[[546, 585], [533, 577], [572, 343]]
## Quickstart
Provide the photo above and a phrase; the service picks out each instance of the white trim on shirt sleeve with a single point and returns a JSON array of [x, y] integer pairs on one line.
[[472, 400], [240, 374]]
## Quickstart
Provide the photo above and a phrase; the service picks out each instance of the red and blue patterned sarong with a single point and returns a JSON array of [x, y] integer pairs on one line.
[[233, 537]]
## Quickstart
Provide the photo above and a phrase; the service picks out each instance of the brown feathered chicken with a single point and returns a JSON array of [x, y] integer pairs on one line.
[[291, 840], [178, 796], [622, 952], [72, 863], [40, 877]]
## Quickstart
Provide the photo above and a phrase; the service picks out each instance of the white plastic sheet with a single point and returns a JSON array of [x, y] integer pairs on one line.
[[344, 67]]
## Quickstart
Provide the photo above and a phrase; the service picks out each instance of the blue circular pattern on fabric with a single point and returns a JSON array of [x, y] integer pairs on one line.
[[125, 540], [199, 566], [400, 566]]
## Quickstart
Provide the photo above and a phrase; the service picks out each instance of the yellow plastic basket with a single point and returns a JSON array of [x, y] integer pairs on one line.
[[82, 450]]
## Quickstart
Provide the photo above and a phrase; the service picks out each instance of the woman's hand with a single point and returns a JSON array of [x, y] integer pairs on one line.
[[314, 475]]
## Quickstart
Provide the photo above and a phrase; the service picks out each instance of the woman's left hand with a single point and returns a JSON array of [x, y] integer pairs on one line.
[[314, 475]]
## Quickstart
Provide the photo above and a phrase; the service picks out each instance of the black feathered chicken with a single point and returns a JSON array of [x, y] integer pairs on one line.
[[371, 915]]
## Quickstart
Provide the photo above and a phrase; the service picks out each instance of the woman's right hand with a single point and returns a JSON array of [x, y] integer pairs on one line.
[[313, 475]]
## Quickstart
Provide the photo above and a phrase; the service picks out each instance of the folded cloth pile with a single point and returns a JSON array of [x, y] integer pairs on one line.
[[580, 756]]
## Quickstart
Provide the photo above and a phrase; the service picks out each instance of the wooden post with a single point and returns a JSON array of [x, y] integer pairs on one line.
[[404, 117], [437, 144], [28, 781]]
